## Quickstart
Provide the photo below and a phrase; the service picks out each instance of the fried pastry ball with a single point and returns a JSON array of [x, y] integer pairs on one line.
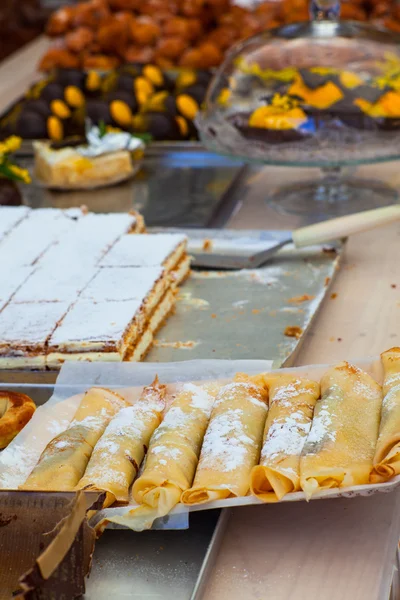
[[58, 58]]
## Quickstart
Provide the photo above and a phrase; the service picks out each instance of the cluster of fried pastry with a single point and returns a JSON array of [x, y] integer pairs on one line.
[[269, 435], [81, 286], [102, 34], [135, 98]]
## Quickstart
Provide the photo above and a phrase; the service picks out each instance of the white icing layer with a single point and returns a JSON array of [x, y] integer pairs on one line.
[[49, 284], [10, 280], [122, 284], [95, 324], [148, 250], [91, 237], [10, 216], [30, 324], [33, 236]]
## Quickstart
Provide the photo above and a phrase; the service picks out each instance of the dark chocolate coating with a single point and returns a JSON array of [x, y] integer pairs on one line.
[[125, 81], [161, 126], [98, 110], [369, 93], [74, 77], [39, 106], [314, 80], [31, 125], [70, 142], [52, 91], [197, 92], [128, 97]]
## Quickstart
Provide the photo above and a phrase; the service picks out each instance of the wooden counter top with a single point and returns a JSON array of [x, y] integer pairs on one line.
[[335, 550]]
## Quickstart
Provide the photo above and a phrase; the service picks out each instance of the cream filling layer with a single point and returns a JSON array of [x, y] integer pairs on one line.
[[133, 330], [181, 271], [23, 362], [54, 360], [138, 349]]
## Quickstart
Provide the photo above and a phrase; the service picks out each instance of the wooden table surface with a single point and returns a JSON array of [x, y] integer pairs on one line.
[[340, 549]]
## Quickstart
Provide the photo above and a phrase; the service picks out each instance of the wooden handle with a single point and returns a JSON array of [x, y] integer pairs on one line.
[[344, 226]]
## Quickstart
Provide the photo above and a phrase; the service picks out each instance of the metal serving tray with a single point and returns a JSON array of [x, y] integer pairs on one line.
[[180, 184]]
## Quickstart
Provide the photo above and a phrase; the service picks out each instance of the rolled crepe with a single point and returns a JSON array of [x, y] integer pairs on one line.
[[64, 460], [231, 444], [387, 454], [340, 446], [291, 407], [117, 456], [172, 457]]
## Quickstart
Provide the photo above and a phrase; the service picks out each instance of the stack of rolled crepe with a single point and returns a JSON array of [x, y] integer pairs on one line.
[[340, 446], [172, 457], [118, 454], [291, 407], [231, 444], [64, 460], [387, 455]]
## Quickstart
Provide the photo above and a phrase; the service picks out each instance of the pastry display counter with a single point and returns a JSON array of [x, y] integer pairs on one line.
[[277, 551]]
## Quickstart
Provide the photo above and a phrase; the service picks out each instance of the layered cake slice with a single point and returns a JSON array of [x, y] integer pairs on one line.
[[102, 331], [111, 315], [24, 331], [166, 249], [125, 283], [150, 250]]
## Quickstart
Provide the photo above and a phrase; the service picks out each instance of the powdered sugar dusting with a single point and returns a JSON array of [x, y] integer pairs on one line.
[[392, 398], [150, 250], [320, 431], [175, 418], [284, 394], [285, 437], [231, 388], [201, 398], [226, 443], [171, 451]]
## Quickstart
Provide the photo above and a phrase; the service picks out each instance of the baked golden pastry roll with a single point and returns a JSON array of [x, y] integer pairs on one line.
[[232, 444], [340, 447], [291, 406], [64, 460], [387, 454], [117, 456], [172, 457]]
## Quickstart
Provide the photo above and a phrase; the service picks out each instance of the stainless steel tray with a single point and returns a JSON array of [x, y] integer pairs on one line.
[[244, 314], [180, 184]]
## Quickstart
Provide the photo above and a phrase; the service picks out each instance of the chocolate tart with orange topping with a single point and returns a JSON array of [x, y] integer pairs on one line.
[[280, 120]]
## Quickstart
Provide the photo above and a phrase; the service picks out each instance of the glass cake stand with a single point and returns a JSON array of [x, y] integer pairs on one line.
[[321, 94]]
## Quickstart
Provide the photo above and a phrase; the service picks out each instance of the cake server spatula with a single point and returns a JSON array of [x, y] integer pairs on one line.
[[319, 233]]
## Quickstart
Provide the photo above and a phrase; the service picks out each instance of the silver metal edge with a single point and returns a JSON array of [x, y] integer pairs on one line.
[[290, 360], [212, 550]]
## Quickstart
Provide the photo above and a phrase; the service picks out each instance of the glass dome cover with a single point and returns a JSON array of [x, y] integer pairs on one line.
[[324, 93]]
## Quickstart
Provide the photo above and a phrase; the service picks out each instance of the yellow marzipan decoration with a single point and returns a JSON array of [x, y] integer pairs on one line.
[[323, 97], [350, 80], [271, 117]]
